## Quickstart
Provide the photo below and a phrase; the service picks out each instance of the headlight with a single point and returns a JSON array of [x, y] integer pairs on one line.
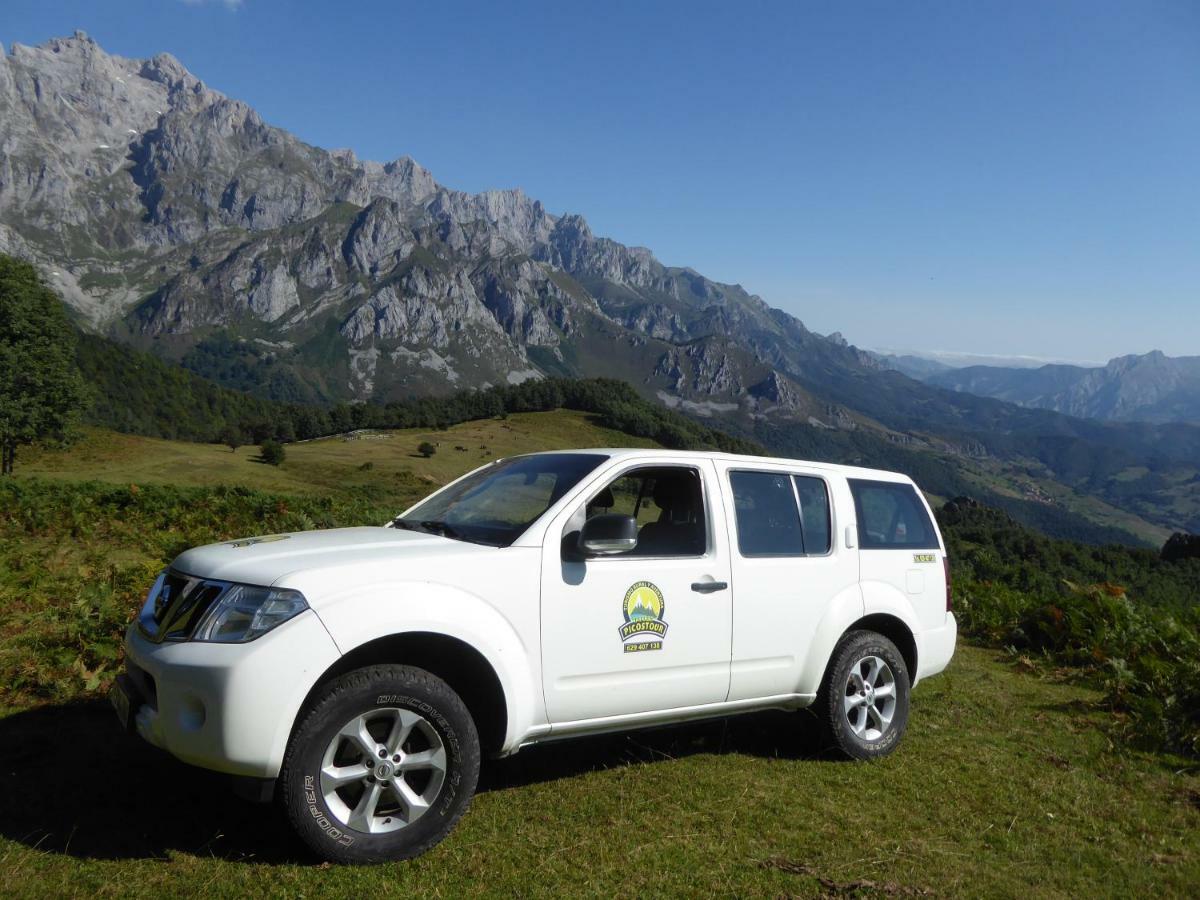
[[245, 612]]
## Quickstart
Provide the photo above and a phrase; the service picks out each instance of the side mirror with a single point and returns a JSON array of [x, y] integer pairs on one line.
[[608, 534]]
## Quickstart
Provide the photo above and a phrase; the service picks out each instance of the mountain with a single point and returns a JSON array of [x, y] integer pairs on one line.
[[175, 219], [919, 367], [1147, 388]]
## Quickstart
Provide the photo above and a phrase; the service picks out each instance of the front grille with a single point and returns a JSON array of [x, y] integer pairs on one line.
[[172, 590], [178, 606]]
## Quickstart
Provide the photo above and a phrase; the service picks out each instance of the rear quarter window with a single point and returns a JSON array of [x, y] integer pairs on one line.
[[891, 516]]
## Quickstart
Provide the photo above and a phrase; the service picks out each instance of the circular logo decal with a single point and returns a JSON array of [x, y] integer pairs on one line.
[[643, 601], [644, 612]]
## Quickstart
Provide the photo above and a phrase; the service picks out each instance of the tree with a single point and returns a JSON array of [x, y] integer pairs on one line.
[[272, 452], [285, 432], [41, 392], [426, 449], [231, 437]]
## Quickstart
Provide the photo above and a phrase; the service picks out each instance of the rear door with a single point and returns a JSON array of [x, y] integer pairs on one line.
[[788, 568], [649, 629], [899, 546]]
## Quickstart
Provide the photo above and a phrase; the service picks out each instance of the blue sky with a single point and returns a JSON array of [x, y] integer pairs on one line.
[[997, 178]]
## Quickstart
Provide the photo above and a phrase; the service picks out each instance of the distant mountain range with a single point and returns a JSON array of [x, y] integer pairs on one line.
[[1147, 388], [174, 219], [924, 361]]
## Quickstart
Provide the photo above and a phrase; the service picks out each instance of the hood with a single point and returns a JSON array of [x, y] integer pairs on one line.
[[266, 559]]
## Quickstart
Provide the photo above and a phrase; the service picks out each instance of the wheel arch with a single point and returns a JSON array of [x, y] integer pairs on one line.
[[895, 630], [464, 668]]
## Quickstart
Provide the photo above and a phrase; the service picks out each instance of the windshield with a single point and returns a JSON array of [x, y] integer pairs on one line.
[[495, 505]]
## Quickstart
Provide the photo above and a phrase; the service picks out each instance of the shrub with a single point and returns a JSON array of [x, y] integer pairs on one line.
[[272, 452], [76, 560], [231, 437], [426, 449], [1136, 640]]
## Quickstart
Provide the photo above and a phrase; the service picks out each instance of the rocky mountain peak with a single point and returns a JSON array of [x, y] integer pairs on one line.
[[163, 207]]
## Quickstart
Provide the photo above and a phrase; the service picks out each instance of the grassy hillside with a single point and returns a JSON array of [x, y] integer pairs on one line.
[[1011, 780], [385, 461]]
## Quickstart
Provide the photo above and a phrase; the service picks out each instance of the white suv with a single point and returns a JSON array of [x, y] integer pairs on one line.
[[359, 673]]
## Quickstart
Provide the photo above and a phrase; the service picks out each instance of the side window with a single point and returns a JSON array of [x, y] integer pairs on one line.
[[668, 504], [768, 523], [814, 514], [891, 517]]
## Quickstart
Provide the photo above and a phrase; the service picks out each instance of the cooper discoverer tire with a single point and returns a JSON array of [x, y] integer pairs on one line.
[[864, 697], [382, 766]]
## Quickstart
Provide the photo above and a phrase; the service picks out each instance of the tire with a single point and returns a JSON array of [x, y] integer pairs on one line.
[[862, 723], [414, 793]]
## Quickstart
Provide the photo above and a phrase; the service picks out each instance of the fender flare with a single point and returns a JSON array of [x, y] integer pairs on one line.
[[387, 609], [849, 607], [882, 598], [844, 610]]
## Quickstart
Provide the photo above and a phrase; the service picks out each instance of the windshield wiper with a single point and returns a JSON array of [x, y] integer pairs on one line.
[[443, 528], [430, 526]]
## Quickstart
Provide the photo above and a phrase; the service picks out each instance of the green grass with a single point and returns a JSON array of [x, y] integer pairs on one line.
[[1005, 785], [1009, 781], [326, 464]]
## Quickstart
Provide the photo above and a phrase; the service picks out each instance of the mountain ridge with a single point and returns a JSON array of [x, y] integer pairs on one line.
[[1149, 387], [175, 219]]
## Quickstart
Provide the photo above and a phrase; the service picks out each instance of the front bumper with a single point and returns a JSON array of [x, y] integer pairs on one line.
[[226, 707]]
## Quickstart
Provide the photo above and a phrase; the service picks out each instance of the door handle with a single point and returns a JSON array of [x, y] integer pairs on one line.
[[709, 587]]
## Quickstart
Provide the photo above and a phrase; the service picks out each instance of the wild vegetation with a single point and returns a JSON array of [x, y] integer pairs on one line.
[[1124, 618]]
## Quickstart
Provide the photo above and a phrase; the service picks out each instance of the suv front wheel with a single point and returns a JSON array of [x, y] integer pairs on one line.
[[864, 697], [382, 766]]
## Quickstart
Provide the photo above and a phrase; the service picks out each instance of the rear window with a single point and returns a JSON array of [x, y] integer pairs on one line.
[[814, 513], [891, 516], [769, 521]]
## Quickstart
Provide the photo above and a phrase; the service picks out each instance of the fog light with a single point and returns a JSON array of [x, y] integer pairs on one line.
[[192, 713]]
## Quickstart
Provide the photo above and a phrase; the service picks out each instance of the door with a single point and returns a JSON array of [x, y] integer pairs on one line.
[[648, 629], [788, 569]]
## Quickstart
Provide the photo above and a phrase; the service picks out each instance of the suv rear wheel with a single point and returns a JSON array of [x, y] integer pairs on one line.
[[382, 766], [864, 697]]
